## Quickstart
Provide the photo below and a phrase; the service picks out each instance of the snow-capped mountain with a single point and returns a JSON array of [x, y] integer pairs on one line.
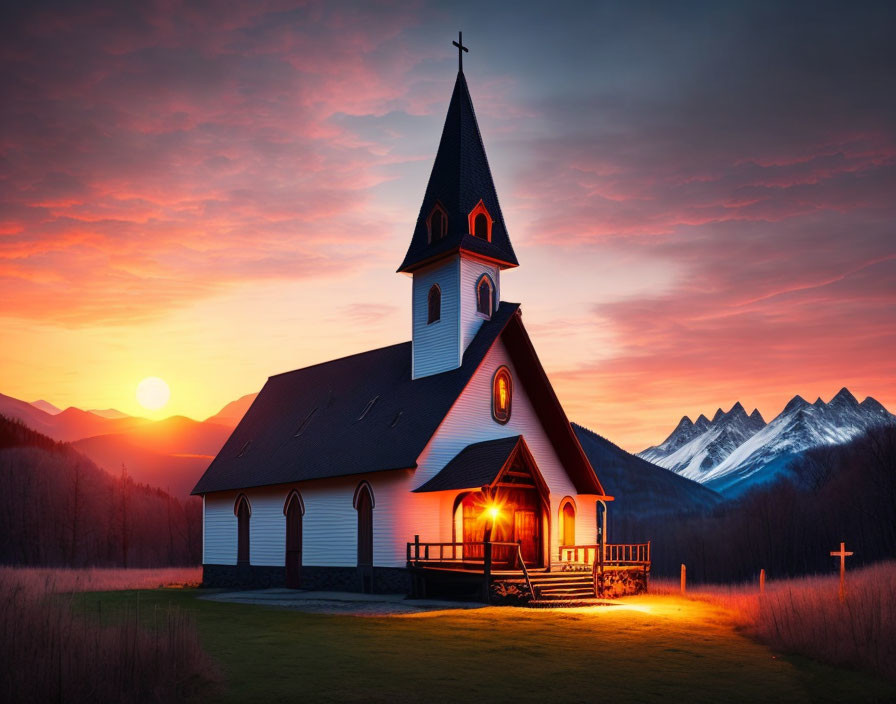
[[737, 452], [800, 426], [684, 432], [692, 450]]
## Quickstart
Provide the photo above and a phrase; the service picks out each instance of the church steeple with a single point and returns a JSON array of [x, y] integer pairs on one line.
[[459, 181], [460, 243]]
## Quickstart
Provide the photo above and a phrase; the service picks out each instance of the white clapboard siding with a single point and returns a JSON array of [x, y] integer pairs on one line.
[[436, 346], [267, 526], [470, 319], [330, 522], [470, 420], [219, 529]]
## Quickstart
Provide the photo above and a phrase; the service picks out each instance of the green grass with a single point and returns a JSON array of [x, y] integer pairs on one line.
[[656, 649]]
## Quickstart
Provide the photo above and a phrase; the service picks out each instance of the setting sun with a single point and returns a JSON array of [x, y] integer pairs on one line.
[[153, 393]]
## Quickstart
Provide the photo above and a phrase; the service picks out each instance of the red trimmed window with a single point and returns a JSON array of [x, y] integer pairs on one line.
[[502, 395], [481, 222], [437, 223]]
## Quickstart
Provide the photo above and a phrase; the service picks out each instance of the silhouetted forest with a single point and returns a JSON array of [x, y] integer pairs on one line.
[[58, 508], [837, 493]]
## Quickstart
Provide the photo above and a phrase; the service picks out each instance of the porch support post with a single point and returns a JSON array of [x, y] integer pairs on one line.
[[487, 571]]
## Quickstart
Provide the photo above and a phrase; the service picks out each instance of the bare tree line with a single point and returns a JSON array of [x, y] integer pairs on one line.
[[58, 508], [830, 494]]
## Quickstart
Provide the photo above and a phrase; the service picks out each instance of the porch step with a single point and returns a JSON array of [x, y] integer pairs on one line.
[[561, 583], [560, 576], [563, 586], [553, 604]]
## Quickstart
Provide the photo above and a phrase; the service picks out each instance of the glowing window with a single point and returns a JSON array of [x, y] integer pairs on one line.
[[435, 304], [502, 395], [485, 296]]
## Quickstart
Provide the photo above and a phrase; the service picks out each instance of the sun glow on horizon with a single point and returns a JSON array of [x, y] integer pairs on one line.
[[153, 393]]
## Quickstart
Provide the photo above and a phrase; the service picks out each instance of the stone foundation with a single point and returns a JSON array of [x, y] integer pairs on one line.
[[624, 582], [380, 580]]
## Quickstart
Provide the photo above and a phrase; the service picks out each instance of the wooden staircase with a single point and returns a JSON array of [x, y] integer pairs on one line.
[[562, 586]]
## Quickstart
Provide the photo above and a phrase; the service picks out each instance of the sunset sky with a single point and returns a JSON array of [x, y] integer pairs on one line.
[[702, 196]]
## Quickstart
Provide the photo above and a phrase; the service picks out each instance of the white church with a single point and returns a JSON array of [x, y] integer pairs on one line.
[[436, 465]]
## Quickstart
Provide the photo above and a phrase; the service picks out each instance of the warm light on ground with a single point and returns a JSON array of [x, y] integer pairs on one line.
[[153, 393]]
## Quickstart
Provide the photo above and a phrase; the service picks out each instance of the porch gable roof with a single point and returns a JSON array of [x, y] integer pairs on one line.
[[475, 466]]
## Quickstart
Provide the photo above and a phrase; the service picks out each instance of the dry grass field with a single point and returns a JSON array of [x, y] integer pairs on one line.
[[52, 651], [805, 616], [168, 644]]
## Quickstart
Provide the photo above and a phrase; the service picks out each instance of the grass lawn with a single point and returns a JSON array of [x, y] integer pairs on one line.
[[655, 648]]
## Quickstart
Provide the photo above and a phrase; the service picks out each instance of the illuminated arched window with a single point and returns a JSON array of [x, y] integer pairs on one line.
[[567, 522], [435, 304], [502, 395], [485, 296]]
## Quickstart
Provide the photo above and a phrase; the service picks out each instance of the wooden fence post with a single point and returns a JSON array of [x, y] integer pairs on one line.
[[683, 578], [762, 581]]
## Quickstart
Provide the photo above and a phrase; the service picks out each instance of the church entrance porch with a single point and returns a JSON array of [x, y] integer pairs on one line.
[[513, 520]]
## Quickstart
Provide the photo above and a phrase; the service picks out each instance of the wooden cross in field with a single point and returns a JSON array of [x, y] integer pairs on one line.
[[843, 554]]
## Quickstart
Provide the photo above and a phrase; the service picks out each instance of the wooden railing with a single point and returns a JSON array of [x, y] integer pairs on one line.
[[613, 554], [486, 553]]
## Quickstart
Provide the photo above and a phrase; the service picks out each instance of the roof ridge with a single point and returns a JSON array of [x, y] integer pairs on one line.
[[340, 359]]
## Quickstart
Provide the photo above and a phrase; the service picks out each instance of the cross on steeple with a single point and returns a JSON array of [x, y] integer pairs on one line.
[[460, 51]]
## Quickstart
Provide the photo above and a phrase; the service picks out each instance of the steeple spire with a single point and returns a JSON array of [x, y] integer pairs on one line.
[[461, 188]]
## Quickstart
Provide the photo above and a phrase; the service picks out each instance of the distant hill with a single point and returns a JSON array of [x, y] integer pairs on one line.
[[70, 424], [108, 413], [233, 412], [46, 407], [58, 508], [171, 453], [641, 489]]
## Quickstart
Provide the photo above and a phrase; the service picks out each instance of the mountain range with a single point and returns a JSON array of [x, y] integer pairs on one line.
[[699, 463], [638, 487], [734, 451], [170, 454]]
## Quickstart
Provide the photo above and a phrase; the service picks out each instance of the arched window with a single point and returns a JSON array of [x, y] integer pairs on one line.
[[243, 511], [437, 223], [480, 226], [502, 395], [480, 222], [435, 304], [485, 296], [567, 522], [293, 509], [364, 506]]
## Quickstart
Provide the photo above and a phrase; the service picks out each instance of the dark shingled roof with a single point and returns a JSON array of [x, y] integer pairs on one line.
[[357, 414], [460, 178], [475, 466]]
